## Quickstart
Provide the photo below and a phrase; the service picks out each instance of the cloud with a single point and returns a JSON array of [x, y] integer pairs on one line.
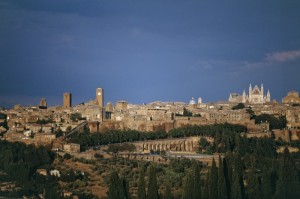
[[272, 60], [283, 56]]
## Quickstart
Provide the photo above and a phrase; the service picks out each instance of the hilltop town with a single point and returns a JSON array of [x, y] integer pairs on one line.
[[92, 141], [40, 124]]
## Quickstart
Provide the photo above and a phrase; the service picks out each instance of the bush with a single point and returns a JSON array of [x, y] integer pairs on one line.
[[98, 156], [238, 106], [67, 156]]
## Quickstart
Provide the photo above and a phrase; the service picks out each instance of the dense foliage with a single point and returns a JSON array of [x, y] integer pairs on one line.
[[118, 187], [275, 123], [250, 167], [86, 139], [76, 116], [232, 177], [44, 121], [4, 123], [238, 106], [19, 163]]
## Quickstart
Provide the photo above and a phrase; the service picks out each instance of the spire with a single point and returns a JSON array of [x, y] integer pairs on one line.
[[230, 97], [199, 100], [244, 93], [244, 96], [262, 89]]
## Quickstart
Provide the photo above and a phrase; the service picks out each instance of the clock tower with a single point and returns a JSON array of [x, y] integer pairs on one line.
[[99, 97]]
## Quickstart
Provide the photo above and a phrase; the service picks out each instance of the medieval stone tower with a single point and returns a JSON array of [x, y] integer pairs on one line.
[[100, 102], [67, 100], [99, 97]]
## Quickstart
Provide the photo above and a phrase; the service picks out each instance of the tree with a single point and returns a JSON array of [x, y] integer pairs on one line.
[[222, 189], [59, 133], [187, 113], [236, 187], [168, 192], [205, 190], [188, 187], [251, 113], [238, 106], [152, 184], [238, 168], [213, 194], [228, 176], [141, 184], [75, 117], [288, 183], [274, 122], [266, 184], [253, 189], [51, 192], [67, 156], [118, 187], [113, 192], [113, 148], [124, 188], [196, 179]]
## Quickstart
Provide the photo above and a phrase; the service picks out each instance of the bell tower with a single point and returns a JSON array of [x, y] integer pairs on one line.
[[99, 97]]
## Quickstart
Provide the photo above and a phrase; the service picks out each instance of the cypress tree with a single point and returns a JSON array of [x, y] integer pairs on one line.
[[152, 184], [253, 189], [236, 188], [141, 184], [288, 184], [113, 192], [188, 187], [228, 176], [213, 182], [266, 184], [168, 192], [238, 167], [118, 188], [197, 183], [222, 189], [123, 189], [205, 189]]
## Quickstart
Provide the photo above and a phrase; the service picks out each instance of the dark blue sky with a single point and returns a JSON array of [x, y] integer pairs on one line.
[[142, 51]]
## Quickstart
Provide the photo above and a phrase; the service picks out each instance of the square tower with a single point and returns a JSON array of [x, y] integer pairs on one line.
[[43, 104], [100, 97], [67, 100]]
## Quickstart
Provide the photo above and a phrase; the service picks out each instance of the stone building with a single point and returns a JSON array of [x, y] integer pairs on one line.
[[100, 102], [100, 97], [72, 148], [255, 96], [44, 137], [236, 98], [43, 104], [293, 118], [94, 126], [229, 116], [121, 105], [67, 100], [291, 98]]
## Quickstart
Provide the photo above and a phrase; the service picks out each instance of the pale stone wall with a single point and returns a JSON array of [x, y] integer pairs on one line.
[[72, 148]]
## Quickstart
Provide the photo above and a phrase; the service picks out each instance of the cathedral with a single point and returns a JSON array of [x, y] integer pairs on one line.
[[255, 96]]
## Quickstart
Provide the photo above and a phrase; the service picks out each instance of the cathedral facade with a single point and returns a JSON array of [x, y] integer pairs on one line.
[[255, 96]]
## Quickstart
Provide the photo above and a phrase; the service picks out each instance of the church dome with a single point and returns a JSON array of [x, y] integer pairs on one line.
[[192, 101]]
